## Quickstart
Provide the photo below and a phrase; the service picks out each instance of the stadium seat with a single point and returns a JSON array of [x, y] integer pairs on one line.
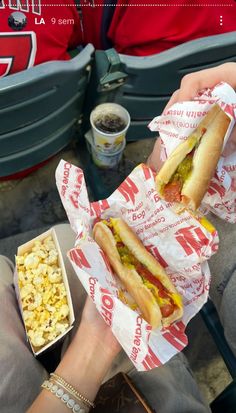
[[40, 109], [143, 85]]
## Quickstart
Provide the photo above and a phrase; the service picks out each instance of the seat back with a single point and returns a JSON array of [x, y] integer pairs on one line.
[[39, 109], [143, 85]]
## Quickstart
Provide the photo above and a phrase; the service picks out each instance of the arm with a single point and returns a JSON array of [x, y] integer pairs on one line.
[[85, 363], [190, 85]]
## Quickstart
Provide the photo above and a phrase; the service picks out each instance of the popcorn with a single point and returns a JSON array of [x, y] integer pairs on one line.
[[51, 258], [63, 312], [42, 292], [36, 338], [26, 290], [38, 280], [55, 276], [31, 261], [35, 302]]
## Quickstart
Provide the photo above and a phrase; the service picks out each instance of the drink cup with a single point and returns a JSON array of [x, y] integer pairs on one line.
[[109, 122], [104, 159]]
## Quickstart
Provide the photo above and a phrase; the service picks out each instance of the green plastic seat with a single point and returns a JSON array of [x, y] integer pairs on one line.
[[39, 110], [143, 85]]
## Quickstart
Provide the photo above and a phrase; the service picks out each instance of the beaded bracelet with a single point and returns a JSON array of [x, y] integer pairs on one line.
[[53, 380], [71, 390], [63, 396]]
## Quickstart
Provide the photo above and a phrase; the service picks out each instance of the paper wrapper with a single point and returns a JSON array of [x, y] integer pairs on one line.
[[182, 244], [177, 124]]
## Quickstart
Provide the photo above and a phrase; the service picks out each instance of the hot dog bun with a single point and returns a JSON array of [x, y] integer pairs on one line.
[[130, 278], [205, 161], [207, 142]]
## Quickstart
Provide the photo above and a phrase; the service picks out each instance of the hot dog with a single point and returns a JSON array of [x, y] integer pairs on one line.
[[140, 273], [186, 174]]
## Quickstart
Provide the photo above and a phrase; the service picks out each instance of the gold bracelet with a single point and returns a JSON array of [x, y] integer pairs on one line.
[[62, 395], [72, 390]]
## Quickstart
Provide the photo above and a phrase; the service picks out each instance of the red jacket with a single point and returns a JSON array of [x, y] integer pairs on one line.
[[49, 32], [138, 27], [143, 27]]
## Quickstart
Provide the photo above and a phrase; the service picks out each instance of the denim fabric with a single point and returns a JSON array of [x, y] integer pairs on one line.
[[223, 280]]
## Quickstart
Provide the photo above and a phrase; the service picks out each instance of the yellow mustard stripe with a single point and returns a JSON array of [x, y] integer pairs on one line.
[[207, 225]]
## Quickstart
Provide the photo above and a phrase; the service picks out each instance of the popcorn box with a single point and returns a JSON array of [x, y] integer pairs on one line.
[[43, 291]]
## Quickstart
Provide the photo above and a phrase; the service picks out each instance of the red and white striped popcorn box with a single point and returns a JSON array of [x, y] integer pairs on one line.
[[181, 243], [180, 120]]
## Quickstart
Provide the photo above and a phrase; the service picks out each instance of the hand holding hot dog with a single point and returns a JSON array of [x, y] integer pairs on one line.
[[190, 86]]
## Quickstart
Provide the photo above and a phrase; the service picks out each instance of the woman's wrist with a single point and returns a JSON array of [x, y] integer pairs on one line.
[[100, 340], [99, 354], [86, 358], [83, 366]]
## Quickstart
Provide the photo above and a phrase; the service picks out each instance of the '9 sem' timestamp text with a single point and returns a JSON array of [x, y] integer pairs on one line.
[[53, 21], [62, 21]]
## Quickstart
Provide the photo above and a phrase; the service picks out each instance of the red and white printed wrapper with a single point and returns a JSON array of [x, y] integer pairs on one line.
[[182, 244], [180, 120]]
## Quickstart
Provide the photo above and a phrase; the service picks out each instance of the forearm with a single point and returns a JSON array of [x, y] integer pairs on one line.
[[83, 366]]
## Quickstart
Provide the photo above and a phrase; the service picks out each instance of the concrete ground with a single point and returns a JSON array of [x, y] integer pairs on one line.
[[30, 205]]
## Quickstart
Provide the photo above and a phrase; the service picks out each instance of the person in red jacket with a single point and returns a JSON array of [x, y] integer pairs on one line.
[[141, 28], [36, 32]]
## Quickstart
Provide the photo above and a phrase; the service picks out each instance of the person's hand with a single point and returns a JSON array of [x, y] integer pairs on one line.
[[190, 86], [193, 83], [85, 363], [100, 332]]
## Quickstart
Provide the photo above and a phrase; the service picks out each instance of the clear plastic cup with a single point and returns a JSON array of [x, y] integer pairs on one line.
[[109, 122]]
